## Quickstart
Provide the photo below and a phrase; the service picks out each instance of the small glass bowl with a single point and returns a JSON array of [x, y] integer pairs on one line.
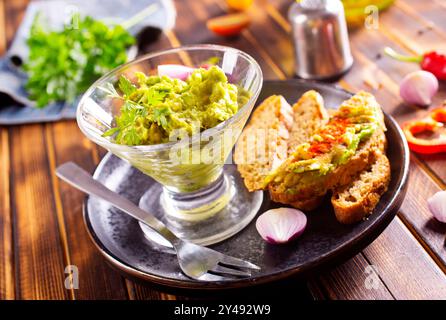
[[194, 197]]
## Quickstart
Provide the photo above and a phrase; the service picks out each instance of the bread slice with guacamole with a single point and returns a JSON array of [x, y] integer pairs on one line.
[[309, 115], [262, 146], [335, 154], [274, 127]]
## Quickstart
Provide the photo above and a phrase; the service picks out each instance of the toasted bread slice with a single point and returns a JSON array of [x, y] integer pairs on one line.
[[358, 199], [262, 146], [309, 115], [289, 186], [274, 126]]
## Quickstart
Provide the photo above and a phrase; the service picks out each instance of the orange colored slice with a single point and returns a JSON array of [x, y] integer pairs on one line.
[[229, 25]]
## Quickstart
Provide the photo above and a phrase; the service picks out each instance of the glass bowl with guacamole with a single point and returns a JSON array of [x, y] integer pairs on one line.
[[175, 115]]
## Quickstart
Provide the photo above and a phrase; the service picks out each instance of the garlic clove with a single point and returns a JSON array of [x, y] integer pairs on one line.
[[437, 205], [281, 225], [418, 88]]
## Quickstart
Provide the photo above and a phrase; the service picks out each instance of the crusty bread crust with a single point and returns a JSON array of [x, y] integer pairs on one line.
[[309, 115], [262, 145], [355, 201], [308, 204]]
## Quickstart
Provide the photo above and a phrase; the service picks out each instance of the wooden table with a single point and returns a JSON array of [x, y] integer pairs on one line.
[[41, 229]]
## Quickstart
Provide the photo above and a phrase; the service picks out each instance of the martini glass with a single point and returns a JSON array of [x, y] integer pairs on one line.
[[195, 190]]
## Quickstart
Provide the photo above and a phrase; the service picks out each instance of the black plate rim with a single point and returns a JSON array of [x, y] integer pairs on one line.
[[343, 252]]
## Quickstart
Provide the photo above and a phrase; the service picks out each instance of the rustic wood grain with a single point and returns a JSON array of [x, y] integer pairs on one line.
[[96, 279], [14, 11], [139, 291], [194, 31], [406, 269], [39, 251], [416, 35], [271, 45], [6, 240], [417, 216], [431, 15], [3, 40], [351, 281]]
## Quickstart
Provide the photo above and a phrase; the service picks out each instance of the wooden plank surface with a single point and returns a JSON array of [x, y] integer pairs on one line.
[[40, 219], [6, 240], [96, 279], [40, 258], [406, 269], [353, 280]]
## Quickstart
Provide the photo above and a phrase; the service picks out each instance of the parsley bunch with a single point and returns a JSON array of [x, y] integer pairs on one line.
[[63, 64]]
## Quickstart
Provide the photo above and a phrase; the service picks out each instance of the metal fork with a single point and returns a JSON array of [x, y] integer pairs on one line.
[[197, 262]]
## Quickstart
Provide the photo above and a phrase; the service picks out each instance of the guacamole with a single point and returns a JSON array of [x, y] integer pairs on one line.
[[159, 109], [332, 145]]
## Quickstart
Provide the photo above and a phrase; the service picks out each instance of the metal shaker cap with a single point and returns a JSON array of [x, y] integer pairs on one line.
[[320, 37]]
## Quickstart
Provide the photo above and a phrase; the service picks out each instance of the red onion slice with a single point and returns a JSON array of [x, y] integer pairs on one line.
[[437, 205], [281, 225], [175, 71]]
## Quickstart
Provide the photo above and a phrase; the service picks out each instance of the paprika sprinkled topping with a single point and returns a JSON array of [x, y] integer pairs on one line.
[[330, 135], [432, 62]]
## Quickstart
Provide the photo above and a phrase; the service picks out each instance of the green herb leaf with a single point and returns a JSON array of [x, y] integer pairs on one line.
[[63, 64], [159, 116], [126, 86], [154, 97], [111, 132]]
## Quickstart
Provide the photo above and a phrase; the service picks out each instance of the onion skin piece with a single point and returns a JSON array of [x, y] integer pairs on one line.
[[418, 88], [175, 71], [437, 205], [282, 225]]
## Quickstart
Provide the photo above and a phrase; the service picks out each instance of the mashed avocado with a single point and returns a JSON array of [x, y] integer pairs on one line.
[[161, 109]]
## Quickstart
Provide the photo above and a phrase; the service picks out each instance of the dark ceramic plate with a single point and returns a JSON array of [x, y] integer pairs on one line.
[[325, 241]]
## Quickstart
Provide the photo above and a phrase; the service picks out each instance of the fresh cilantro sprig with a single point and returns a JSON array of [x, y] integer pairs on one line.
[[141, 119], [160, 116]]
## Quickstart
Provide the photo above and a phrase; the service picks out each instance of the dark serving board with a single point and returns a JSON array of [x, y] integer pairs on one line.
[[324, 242]]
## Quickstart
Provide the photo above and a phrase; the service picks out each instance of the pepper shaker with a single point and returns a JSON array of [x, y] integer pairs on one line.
[[320, 37]]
